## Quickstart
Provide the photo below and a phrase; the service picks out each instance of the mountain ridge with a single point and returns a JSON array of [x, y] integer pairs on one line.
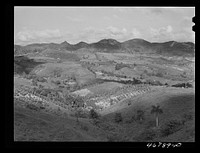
[[112, 45]]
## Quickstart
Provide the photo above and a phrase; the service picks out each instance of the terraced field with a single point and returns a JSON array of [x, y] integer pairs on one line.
[[101, 102]]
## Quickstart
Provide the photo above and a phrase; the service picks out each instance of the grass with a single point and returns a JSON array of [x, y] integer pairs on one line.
[[64, 56], [39, 126], [24, 64], [177, 104]]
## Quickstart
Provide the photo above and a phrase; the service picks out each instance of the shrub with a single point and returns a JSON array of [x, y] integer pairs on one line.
[[42, 107], [140, 115], [85, 128], [147, 135], [150, 124], [32, 107], [82, 114], [96, 122], [41, 79], [159, 74], [93, 114], [145, 71], [171, 127], [118, 117], [131, 120], [57, 72], [34, 82], [187, 117], [114, 137]]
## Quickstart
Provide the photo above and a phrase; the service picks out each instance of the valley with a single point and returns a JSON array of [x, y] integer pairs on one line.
[[104, 91]]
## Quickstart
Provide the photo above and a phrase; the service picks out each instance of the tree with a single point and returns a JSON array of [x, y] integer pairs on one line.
[[156, 110], [34, 82], [41, 86], [24, 75], [78, 103], [77, 114], [118, 117], [57, 72], [93, 114], [140, 115]]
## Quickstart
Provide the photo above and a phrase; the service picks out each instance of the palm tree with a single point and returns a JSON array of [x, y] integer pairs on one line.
[[156, 110]]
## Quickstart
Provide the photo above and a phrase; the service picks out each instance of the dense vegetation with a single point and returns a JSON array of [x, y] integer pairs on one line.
[[24, 64]]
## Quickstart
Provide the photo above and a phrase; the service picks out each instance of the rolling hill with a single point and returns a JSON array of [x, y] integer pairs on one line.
[[171, 48]]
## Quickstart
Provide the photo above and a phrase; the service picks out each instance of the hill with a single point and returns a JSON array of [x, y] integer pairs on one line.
[[107, 45], [178, 108], [170, 48]]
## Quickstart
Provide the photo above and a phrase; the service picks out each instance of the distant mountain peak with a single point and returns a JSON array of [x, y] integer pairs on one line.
[[138, 40], [82, 43], [112, 45], [65, 43], [109, 41]]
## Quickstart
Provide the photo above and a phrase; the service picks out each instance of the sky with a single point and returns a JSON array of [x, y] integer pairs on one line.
[[91, 24]]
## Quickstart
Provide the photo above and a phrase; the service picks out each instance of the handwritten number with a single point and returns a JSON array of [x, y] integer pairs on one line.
[[149, 145], [167, 145], [154, 145], [159, 144], [179, 144]]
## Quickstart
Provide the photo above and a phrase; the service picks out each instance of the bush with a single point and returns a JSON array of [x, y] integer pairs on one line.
[[32, 107], [42, 107], [34, 82], [147, 135], [82, 114], [140, 115], [85, 128], [131, 120], [96, 122], [159, 74], [171, 127], [41, 79], [118, 117], [150, 124], [93, 114], [114, 137], [187, 117]]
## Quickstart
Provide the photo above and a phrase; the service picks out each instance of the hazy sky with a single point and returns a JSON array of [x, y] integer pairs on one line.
[[91, 24]]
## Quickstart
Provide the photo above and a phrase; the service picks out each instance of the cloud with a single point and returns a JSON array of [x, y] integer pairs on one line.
[[184, 34], [116, 16], [186, 22], [162, 34], [89, 34], [168, 34], [27, 35], [106, 18], [92, 34], [135, 33], [74, 19]]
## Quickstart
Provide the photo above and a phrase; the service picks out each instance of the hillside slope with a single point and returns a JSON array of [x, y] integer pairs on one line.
[[41, 126], [113, 46]]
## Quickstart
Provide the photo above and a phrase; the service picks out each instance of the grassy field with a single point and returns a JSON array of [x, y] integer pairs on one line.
[[40, 126]]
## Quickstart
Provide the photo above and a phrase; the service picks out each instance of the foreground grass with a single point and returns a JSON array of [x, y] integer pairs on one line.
[[178, 111]]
